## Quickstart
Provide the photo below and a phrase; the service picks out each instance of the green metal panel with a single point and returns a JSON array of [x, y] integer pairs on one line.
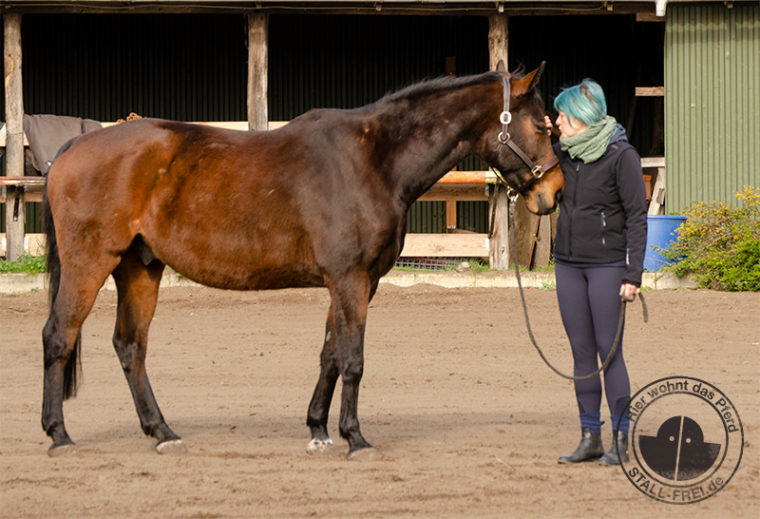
[[712, 102]]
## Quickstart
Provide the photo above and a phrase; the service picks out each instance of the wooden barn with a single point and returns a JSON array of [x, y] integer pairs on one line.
[[682, 76]]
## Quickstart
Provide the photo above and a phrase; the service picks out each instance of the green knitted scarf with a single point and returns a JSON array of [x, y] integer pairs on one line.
[[592, 142]]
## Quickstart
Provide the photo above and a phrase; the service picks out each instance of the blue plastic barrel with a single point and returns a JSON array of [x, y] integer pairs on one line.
[[661, 231]]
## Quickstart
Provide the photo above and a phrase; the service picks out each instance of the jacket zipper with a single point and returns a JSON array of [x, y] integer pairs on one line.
[[575, 202], [604, 229]]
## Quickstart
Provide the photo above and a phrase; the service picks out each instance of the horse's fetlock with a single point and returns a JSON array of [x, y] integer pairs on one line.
[[48, 427], [312, 422]]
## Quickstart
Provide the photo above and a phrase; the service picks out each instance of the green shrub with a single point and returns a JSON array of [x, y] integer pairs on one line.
[[720, 245], [27, 264]]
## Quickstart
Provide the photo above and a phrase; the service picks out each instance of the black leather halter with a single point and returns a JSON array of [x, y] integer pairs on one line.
[[537, 170]]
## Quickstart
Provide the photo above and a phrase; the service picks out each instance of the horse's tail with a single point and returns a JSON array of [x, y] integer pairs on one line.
[[73, 364]]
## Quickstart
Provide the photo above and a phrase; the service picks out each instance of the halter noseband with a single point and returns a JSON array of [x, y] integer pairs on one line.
[[537, 171]]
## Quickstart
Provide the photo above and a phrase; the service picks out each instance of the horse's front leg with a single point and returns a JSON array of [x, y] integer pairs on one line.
[[350, 299], [319, 408]]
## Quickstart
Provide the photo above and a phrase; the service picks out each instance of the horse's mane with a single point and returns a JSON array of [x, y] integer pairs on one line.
[[445, 84], [438, 85]]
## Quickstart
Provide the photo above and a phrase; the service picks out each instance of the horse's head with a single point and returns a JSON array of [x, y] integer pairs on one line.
[[516, 143]]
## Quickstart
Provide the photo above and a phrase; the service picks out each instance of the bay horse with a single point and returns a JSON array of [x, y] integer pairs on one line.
[[321, 201]]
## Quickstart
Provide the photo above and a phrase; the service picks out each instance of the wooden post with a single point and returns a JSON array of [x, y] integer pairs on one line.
[[525, 222], [451, 205], [533, 237], [258, 65], [498, 203], [14, 137]]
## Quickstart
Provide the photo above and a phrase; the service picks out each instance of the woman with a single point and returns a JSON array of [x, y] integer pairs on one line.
[[598, 253]]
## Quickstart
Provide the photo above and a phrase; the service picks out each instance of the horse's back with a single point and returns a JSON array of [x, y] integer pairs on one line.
[[196, 195]]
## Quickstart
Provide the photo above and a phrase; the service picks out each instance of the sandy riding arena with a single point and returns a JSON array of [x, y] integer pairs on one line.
[[466, 418]]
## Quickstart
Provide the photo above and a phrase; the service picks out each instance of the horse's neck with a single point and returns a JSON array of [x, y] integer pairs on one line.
[[423, 141]]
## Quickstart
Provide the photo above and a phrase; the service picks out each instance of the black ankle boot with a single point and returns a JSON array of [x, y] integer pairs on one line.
[[619, 450], [590, 448]]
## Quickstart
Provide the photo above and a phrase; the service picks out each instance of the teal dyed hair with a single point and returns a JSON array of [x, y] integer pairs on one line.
[[584, 101]]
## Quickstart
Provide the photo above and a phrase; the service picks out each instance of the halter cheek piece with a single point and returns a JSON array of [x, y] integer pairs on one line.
[[537, 171]]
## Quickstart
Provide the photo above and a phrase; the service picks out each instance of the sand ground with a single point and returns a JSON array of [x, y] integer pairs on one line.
[[466, 418]]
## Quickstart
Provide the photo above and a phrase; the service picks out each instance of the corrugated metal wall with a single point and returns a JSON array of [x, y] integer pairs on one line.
[[349, 61], [193, 67], [712, 102], [615, 50], [182, 67]]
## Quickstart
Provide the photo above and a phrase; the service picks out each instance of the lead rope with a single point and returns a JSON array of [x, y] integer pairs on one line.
[[621, 318]]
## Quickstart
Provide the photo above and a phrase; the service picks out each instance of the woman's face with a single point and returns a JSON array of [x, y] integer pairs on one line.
[[568, 130]]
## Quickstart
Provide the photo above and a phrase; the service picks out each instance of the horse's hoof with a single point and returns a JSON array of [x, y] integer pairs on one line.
[[317, 446], [365, 454], [171, 447], [66, 449]]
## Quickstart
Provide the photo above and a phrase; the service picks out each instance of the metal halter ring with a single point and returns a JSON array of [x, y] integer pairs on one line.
[[502, 138], [506, 117], [512, 194], [537, 172]]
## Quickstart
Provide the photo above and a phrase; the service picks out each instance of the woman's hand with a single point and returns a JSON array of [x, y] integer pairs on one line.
[[549, 126], [628, 292]]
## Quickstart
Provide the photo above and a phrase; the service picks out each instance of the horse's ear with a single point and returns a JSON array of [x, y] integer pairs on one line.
[[528, 82], [501, 67]]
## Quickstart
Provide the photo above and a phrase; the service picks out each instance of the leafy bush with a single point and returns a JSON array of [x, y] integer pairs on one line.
[[720, 245], [27, 264]]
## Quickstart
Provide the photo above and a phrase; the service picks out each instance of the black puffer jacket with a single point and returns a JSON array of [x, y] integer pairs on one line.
[[603, 213]]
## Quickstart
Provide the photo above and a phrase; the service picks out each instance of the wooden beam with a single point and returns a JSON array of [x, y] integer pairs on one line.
[[451, 215], [652, 162], [14, 147], [455, 192], [258, 67], [455, 245], [498, 203], [649, 17], [410, 8], [32, 188], [655, 91], [657, 202]]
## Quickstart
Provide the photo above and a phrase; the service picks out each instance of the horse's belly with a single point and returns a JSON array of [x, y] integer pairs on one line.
[[259, 278], [241, 262]]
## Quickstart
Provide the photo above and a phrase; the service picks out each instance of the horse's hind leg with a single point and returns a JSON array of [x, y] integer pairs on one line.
[[61, 338], [137, 287]]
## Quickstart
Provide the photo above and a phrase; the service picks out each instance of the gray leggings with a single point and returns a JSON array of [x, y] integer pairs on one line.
[[589, 303]]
